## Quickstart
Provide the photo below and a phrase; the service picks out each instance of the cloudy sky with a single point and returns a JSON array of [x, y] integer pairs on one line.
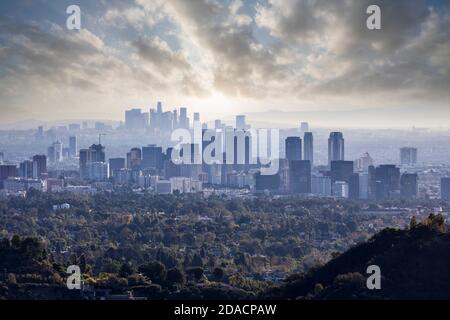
[[226, 57]]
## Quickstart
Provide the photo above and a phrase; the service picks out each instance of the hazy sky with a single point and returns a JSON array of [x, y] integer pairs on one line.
[[227, 57]]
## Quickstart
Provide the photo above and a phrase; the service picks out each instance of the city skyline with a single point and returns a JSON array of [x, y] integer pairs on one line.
[[228, 57]]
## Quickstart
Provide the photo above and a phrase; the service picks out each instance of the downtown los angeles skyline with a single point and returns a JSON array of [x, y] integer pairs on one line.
[[304, 58]]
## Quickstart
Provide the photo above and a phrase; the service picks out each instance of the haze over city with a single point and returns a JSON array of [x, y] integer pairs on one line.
[[300, 60]]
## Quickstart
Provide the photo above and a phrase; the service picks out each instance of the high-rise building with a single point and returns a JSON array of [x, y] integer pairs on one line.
[[267, 182], [98, 171], [353, 187], [7, 171], [300, 176], [240, 122], [308, 147], [73, 146], [293, 148], [196, 116], [39, 166], [134, 159], [340, 189], [2, 157], [135, 119], [95, 153], [152, 157], [445, 188], [321, 185], [408, 156], [341, 170], [362, 164], [184, 120], [408, 186], [304, 127], [26, 169], [363, 186], [335, 147], [115, 164], [384, 182]]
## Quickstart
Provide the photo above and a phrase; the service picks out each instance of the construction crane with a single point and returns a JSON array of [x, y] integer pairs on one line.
[[100, 137]]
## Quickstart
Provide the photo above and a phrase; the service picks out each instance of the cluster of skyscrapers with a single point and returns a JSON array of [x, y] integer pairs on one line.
[[153, 166]]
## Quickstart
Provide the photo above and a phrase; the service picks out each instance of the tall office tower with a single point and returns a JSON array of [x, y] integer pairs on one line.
[[362, 164], [39, 166], [371, 182], [40, 133], [335, 147], [300, 176], [26, 169], [196, 116], [73, 146], [2, 157], [364, 186], [445, 188], [217, 124], [95, 153], [170, 168], [115, 165], [134, 159], [353, 187], [267, 182], [84, 158], [134, 119], [240, 122], [98, 171], [55, 152], [166, 122], [308, 147], [387, 182], [175, 119], [159, 107], [85, 125], [341, 170], [408, 156], [184, 121], [293, 148], [152, 157], [146, 119], [408, 186], [321, 185], [7, 171], [304, 127]]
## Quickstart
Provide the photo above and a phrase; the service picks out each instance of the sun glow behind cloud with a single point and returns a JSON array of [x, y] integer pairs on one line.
[[225, 57]]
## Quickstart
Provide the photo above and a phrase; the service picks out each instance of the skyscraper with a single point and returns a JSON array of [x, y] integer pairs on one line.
[[308, 147], [95, 154], [184, 120], [73, 146], [300, 176], [135, 119], [445, 188], [7, 171], [293, 148], [115, 164], [240, 122], [408, 156], [134, 159], [335, 147], [384, 181], [152, 157], [304, 127], [408, 186], [39, 166], [26, 169]]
